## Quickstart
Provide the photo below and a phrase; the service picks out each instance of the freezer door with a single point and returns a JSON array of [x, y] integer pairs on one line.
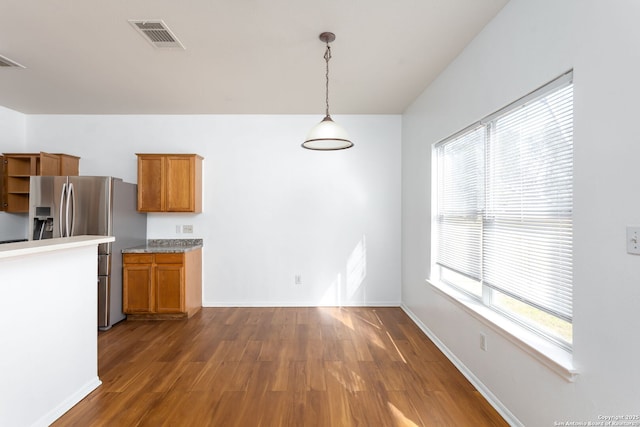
[[90, 207], [45, 195]]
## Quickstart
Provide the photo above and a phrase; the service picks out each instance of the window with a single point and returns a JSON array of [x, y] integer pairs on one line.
[[503, 214]]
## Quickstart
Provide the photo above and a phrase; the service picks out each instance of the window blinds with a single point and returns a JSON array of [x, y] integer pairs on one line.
[[460, 203], [505, 200], [527, 239]]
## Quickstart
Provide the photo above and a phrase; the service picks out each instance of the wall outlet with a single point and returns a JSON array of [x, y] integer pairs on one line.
[[298, 279], [178, 229], [187, 228], [633, 240], [483, 342]]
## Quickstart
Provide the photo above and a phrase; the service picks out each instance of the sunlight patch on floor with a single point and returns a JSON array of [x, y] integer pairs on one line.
[[401, 419]]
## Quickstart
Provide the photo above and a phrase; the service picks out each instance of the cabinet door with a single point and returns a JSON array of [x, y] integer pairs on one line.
[[180, 184], [151, 183], [137, 289], [69, 165], [49, 164], [169, 288]]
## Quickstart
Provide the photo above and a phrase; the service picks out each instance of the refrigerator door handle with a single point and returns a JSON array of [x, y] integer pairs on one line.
[[62, 202], [71, 200]]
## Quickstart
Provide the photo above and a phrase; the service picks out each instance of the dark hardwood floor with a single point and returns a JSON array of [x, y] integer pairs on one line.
[[278, 367]]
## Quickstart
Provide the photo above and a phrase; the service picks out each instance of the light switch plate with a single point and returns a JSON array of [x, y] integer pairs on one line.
[[633, 239]]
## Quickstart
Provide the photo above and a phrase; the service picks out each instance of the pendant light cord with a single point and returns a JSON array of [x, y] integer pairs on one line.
[[327, 57]]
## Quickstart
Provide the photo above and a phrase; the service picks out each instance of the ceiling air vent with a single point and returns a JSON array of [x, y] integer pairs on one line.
[[6, 62], [156, 32]]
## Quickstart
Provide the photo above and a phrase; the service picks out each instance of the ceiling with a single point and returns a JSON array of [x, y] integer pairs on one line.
[[241, 56]]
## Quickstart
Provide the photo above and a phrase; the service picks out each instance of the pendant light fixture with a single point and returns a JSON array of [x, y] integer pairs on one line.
[[327, 135]]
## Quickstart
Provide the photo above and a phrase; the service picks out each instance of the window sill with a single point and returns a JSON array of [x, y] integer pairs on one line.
[[553, 357]]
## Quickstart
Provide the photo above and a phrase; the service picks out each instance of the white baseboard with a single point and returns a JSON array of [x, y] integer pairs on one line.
[[299, 304], [55, 413], [486, 393]]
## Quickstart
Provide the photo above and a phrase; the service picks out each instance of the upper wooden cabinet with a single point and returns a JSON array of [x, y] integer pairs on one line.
[[69, 165], [18, 168], [169, 183]]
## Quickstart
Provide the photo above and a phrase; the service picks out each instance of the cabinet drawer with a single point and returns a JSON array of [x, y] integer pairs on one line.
[[169, 258], [137, 258]]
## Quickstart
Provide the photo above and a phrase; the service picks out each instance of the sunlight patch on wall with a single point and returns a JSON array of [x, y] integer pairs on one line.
[[351, 290], [357, 268], [332, 294]]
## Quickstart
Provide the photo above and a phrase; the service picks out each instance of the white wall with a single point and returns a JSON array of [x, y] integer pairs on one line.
[[272, 210], [12, 140], [526, 45], [12, 131]]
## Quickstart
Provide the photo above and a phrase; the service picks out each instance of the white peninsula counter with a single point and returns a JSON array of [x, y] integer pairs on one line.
[[48, 327]]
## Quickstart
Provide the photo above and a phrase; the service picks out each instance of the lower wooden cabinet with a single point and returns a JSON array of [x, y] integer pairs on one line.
[[162, 285]]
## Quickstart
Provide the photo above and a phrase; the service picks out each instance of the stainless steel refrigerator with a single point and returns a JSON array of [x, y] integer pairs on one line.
[[63, 206]]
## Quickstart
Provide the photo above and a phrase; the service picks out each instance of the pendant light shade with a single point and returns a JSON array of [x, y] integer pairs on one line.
[[327, 135]]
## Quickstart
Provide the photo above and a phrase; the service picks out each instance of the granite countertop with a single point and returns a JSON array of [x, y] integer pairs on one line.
[[165, 246]]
